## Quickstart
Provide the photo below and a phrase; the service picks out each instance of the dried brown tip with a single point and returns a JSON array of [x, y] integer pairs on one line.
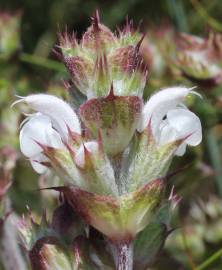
[[129, 26], [96, 20], [138, 45], [111, 95]]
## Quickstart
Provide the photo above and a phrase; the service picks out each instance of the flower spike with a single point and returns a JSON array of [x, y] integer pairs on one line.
[[114, 172]]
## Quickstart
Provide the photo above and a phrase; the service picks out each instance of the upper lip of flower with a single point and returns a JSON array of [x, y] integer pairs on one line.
[[47, 127], [60, 112]]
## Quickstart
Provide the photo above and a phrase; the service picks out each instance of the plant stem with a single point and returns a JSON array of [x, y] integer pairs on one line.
[[210, 260], [204, 14], [125, 256]]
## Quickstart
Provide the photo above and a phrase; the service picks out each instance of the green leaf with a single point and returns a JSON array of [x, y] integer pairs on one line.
[[148, 244], [163, 215]]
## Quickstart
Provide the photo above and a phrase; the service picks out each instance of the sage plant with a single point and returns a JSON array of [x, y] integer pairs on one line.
[[199, 59], [113, 152]]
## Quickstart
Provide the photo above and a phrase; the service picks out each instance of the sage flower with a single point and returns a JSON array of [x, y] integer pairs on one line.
[[113, 152]]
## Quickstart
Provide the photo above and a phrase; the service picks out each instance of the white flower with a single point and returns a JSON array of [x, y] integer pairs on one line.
[[38, 129], [47, 127], [170, 119], [60, 112]]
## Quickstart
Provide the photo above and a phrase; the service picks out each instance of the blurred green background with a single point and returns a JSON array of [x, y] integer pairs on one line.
[[31, 66]]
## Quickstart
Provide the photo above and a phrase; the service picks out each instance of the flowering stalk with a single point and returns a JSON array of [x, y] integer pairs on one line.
[[125, 257], [113, 152]]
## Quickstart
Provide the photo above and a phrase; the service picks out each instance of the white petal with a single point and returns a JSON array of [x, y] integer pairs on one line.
[[80, 155], [36, 163], [159, 104], [39, 168], [34, 130], [181, 149], [53, 139], [185, 123], [167, 134], [58, 110], [38, 129]]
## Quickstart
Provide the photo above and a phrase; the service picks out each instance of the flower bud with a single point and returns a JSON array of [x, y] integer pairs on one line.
[[98, 36], [80, 70], [102, 58]]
